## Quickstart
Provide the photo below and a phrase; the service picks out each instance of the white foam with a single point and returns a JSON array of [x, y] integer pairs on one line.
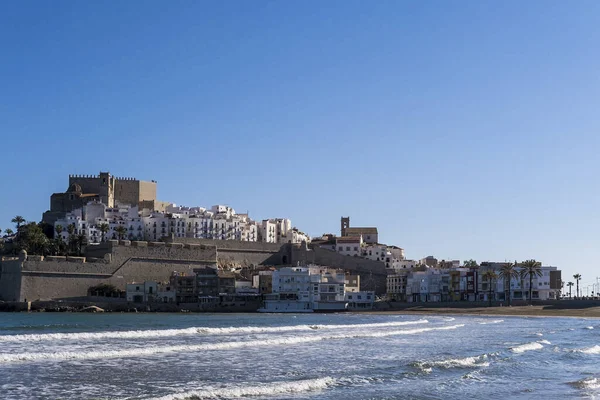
[[149, 334], [527, 347], [151, 350], [495, 321], [467, 362], [271, 389], [544, 341], [588, 383], [590, 350], [589, 327]]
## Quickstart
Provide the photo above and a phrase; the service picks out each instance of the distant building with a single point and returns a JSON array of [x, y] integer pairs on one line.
[[103, 188], [369, 234]]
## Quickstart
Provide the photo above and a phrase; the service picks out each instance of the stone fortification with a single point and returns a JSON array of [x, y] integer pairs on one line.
[[241, 252], [119, 263], [115, 263]]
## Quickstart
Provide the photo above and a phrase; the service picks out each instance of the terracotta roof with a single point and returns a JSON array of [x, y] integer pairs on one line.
[[357, 231]]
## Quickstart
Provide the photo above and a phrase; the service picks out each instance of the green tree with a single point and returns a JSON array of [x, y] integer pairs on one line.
[[121, 231], [570, 285], [19, 221], [8, 232], [471, 264], [531, 268], [81, 243], [508, 272], [490, 276], [59, 230], [104, 228], [32, 239], [577, 278]]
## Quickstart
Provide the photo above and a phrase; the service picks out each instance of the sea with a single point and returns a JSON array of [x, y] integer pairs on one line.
[[296, 356]]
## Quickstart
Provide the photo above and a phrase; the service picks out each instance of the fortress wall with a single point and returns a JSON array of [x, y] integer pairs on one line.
[[147, 191], [10, 279], [231, 244]]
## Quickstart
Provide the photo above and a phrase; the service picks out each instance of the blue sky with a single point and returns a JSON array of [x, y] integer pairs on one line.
[[459, 129]]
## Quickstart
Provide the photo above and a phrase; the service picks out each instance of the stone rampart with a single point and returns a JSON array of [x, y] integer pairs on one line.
[[65, 277]]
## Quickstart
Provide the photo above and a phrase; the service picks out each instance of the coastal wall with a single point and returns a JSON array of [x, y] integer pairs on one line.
[[121, 262], [66, 277], [10, 278], [244, 253]]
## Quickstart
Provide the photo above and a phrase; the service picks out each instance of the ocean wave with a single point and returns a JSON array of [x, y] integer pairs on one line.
[[544, 341], [589, 327], [589, 350], [587, 383], [495, 321], [527, 347], [148, 351], [467, 362], [270, 389], [161, 333]]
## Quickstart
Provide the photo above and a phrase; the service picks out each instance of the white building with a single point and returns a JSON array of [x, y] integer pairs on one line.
[[306, 290], [349, 245], [220, 223], [149, 291]]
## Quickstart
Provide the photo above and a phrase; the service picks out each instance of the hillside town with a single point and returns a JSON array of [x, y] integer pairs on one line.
[[214, 257]]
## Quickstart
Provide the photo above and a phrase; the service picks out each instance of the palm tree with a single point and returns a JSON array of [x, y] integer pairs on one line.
[[508, 272], [577, 278], [570, 285], [121, 231], [18, 220], [490, 275], [470, 264], [8, 232], [104, 228], [531, 268], [59, 230]]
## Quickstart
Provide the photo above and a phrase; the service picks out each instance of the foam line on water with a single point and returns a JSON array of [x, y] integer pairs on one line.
[[161, 333], [589, 350], [587, 383], [528, 347], [495, 321], [271, 389], [467, 362], [152, 350]]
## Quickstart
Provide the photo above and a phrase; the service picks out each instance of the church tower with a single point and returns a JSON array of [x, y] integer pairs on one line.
[[345, 225]]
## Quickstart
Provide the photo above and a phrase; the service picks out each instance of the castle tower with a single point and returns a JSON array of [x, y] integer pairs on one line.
[[345, 225]]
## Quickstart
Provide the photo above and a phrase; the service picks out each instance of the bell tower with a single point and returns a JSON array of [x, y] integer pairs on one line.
[[345, 225]]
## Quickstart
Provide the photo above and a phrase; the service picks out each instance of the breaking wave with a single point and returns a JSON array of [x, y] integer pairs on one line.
[[589, 327], [467, 362], [495, 321], [147, 351], [528, 346], [271, 389], [149, 334], [587, 383], [590, 350]]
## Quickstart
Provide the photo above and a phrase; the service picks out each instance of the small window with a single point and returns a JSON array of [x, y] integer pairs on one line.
[[347, 248], [355, 248]]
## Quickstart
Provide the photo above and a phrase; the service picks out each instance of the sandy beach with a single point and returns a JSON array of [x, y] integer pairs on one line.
[[533, 311]]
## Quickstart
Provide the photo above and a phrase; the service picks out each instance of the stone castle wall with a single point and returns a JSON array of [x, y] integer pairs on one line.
[[119, 263], [67, 277]]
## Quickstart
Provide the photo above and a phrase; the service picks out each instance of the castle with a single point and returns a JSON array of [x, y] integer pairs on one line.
[[103, 188]]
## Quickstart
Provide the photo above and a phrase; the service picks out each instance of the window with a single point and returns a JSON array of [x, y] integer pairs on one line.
[[355, 248], [347, 248]]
